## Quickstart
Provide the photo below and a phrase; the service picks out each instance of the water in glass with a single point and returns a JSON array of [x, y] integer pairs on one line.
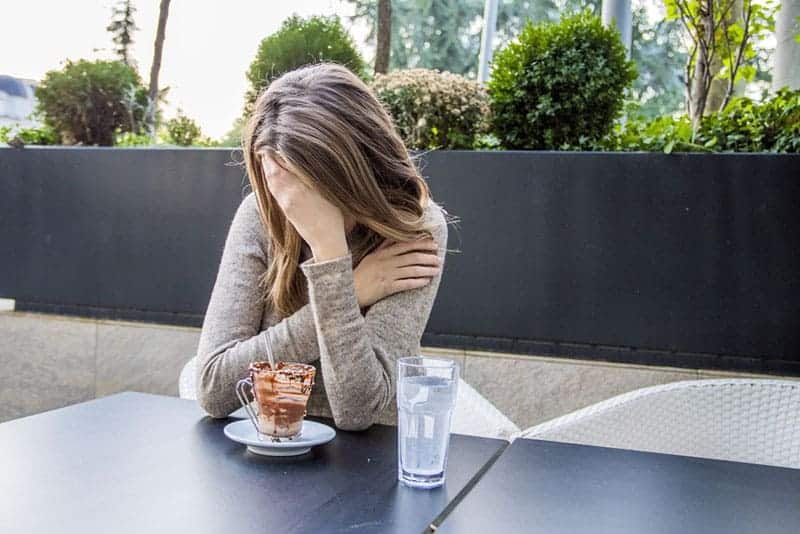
[[426, 395]]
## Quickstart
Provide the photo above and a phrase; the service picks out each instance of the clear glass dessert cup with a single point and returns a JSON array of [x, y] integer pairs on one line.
[[280, 395]]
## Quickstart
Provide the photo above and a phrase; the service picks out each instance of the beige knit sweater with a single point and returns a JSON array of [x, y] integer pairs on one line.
[[355, 355]]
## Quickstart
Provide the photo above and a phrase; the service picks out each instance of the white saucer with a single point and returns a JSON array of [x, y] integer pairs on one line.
[[313, 434]]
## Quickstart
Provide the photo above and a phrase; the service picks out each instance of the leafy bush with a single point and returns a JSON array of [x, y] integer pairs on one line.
[[746, 126], [772, 125], [182, 131], [128, 139], [662, 134], [299, 42], [559, 84], [43, 135], [87, 101], [233, 138], [433, 109]]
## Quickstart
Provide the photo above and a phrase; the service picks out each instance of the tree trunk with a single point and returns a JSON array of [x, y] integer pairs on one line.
[[384, 36], [702, 76], [156, 67], [787, 50], [719, 87]]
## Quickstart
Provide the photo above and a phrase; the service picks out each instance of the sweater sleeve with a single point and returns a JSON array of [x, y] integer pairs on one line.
[[358, 353], [231, 337]]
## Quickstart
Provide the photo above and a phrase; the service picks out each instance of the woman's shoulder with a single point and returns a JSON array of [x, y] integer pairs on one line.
[[435, 217], [247, 222]]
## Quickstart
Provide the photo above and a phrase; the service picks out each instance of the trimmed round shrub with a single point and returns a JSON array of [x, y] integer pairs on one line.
[[298, 42], [182, 131], [433, 109], [87, 101], [559, 84]]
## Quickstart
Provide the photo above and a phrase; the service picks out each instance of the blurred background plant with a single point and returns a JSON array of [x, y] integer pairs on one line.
[[725, 38], [87, 100], [745, 125], [44, 135], [560, 80], [433, 109], [300, 41], [183, 131]]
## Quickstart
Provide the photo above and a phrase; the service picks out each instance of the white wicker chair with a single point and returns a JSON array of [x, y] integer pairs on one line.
[[474, 414], [746, 420]]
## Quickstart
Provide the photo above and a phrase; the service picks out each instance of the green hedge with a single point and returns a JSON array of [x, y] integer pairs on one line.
[[559, 84], [300, 41], [433, 109], [772, 125], [87, 101]]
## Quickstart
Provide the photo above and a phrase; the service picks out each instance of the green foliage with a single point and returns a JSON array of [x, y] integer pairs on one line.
[[43, 135], [234, 136], [121, 28], [181, 130], [513, 15], [734, 51], [662, 134], [772, 125], [299, 42], [559, 84], [87, 101], [446, 34], [433, 109], [487, 141], [129, 139], [442, 35]]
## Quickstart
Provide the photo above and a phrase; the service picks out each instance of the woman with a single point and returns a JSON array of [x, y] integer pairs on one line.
[[335, 257]]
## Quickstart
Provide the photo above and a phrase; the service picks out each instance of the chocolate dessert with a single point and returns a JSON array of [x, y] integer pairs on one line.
[[281, 396]]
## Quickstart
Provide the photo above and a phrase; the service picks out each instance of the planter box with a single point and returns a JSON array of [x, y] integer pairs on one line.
[[684, 259]]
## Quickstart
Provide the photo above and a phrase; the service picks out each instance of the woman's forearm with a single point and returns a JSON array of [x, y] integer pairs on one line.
[[358, 353], [222, 364], [357, 381]]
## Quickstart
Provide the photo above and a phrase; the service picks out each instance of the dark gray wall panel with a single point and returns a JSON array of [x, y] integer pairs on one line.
[[683, 259]]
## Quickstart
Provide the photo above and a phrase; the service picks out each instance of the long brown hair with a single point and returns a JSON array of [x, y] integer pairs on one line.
[[327, 124]]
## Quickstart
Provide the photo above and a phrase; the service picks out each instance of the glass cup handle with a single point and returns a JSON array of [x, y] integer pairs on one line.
[[241, 393]]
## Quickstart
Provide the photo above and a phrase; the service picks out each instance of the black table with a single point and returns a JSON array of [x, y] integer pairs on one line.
[[542, 486], [145, 463]]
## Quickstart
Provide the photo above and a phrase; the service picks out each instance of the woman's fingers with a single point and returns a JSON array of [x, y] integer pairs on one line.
[[427, 244], [409, 283], [416, 258], [416, 271]]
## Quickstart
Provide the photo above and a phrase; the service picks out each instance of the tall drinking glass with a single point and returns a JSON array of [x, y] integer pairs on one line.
[[426, 397]]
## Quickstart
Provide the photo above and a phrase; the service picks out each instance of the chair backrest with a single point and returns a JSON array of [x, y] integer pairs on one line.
[[474, 414], [187, 379], [747, 420]]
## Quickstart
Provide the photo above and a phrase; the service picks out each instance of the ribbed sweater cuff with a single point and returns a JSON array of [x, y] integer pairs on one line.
[[330, 283], [331, 293]]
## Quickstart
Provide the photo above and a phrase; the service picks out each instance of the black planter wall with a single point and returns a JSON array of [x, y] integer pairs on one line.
[[688, 260]]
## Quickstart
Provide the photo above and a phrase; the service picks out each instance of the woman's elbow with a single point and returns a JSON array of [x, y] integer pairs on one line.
[[211, 407], [209, 393], [360, 418], [354, 422]]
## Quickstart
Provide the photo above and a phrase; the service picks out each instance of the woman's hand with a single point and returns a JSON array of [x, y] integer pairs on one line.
[[395, 267], [318, 221]]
